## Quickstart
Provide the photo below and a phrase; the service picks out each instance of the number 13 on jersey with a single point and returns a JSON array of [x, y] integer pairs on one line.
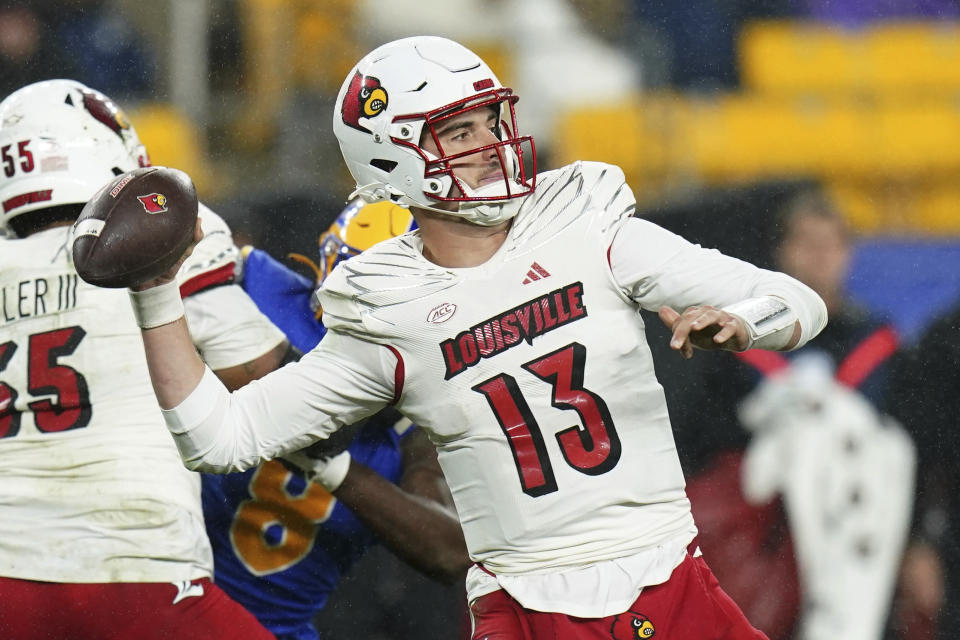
[[592, 447]]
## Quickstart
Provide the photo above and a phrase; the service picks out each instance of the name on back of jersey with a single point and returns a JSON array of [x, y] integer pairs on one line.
[[38, 296]]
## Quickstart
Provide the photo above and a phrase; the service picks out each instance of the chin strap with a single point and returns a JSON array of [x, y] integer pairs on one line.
[[370, 193], [489, 214], [485, 213]]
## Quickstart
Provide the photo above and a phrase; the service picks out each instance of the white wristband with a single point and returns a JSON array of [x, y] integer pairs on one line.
[[326, 472], [769, 321], [157, 306]]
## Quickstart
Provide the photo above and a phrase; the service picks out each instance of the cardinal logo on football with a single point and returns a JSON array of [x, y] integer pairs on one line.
[[153, 202]]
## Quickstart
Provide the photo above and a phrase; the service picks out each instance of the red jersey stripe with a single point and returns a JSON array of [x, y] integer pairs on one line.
[[867, 356], [221, 275], [767, 362]]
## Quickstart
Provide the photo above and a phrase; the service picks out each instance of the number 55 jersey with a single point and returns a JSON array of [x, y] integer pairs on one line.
[[532, 376], [92, 489]]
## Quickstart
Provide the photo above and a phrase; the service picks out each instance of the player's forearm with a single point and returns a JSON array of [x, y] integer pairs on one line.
[[806, 304], [175, 367], [235, 377], [420, 531]]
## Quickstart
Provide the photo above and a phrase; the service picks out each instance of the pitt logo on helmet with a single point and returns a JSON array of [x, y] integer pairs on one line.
[[365, 99], [153, 202]]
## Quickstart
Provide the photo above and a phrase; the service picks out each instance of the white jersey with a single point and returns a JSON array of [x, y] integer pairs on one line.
[[91, 486], [531, 374]]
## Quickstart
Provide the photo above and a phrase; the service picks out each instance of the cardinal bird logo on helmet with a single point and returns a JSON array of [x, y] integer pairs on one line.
[[153, 202], [631, 626], [365, 99], [106, 111]]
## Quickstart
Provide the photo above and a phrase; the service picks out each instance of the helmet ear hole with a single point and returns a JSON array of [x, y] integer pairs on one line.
[[384, 165]]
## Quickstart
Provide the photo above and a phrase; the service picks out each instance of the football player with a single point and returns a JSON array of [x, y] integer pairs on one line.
[[101, 527], [280, 543], [506, 327]]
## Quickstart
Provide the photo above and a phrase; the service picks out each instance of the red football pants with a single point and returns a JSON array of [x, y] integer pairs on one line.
[[689, 606], [45, 610]]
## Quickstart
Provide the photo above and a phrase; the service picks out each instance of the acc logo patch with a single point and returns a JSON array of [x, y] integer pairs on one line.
[[631, 626], [365, 99], [441, 313], [153, 202]]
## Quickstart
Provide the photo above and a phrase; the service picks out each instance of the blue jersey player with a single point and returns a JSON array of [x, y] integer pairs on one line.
[[282, 542]]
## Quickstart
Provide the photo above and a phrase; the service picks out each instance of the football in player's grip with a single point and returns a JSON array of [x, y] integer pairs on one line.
[[135, 228]]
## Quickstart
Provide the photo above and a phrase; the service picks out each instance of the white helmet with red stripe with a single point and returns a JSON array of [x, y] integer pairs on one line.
[[401, 92], [60, 141]]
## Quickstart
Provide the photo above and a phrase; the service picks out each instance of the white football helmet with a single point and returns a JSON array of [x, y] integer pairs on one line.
[[404, 90], [60, 141]]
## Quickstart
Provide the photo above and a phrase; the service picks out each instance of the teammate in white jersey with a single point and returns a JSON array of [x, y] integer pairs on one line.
[[507, 327], [101, 528]]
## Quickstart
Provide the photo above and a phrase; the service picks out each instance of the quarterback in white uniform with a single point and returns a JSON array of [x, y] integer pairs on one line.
[[508, 328], [92, 491]]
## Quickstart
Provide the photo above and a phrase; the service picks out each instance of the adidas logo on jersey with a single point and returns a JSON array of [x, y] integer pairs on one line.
[[536, 273]]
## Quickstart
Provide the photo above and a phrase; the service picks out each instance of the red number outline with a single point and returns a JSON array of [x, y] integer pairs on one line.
[[592, 451], [592, 448], [46, 377], [26, 156], [9, 416], [523, 434], [8, 165]]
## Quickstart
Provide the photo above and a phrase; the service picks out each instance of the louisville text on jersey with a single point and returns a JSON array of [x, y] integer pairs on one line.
[[506, 329]]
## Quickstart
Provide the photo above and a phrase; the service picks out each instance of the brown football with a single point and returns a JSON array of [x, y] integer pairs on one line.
[[135, 228]]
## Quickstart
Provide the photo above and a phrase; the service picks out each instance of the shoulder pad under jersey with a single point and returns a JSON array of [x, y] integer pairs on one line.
[[391, 272], [565, 195], [214, 261]]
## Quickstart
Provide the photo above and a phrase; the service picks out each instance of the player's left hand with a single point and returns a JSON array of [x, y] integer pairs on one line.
[[704, 327], [328, 472]]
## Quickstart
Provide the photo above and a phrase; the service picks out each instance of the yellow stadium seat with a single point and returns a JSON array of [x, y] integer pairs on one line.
[[740, 136], [662, 139], [646, 136], [938, 208], [894, 58], [173, 140], [323, 49], [919, 137], [875, 113], [912, 58], [737, 137], [926, 207], [792, 57]]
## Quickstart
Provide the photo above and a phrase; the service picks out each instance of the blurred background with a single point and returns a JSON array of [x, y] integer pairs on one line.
[[719, 112], [861, 96]]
